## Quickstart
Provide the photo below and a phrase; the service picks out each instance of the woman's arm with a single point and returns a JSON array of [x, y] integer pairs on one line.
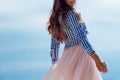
[[99, 63], [54, 50], [77, 29]]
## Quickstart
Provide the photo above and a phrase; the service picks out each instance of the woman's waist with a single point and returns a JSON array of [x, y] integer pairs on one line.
[[71, 43]]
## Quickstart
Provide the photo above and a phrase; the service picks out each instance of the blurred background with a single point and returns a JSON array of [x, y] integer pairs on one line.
[[25, 43]]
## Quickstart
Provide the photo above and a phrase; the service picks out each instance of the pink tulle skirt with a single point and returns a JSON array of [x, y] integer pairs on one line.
[[74, 64]]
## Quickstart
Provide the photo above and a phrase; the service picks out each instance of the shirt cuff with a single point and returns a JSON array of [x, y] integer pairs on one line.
[[90, 51]]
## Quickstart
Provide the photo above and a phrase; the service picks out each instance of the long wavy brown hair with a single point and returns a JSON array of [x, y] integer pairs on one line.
[[60, 7]]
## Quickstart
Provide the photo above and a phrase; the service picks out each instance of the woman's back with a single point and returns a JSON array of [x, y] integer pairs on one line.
[[76, 31]]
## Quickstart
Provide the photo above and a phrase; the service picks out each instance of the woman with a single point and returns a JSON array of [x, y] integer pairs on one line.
[[79, 60]]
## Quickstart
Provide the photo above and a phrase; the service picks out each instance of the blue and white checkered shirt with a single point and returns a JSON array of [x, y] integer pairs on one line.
[[76, 33]]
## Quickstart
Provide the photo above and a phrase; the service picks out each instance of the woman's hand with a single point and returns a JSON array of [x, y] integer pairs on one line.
[[102, 67]]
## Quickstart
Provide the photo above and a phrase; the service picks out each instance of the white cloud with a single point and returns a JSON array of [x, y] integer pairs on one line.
[[24, 15], [33, 22], [22, 7], [110, 3], [11, 8], [100, 10]]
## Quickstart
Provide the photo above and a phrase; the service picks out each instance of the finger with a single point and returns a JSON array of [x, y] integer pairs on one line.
[[104, 64], [101, 69], [105, 69]]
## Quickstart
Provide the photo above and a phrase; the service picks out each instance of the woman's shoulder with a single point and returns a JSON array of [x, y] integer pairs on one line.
[[71, 12], [73, 17], [74, 14]]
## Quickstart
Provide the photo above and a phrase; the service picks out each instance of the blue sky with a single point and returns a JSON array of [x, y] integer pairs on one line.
[[24, 41], [31, 16]]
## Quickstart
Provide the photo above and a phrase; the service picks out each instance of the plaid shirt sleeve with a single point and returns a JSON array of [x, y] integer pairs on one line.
[[54, 50]]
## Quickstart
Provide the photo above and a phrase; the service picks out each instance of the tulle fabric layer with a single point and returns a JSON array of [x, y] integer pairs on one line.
[[74, 64]]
